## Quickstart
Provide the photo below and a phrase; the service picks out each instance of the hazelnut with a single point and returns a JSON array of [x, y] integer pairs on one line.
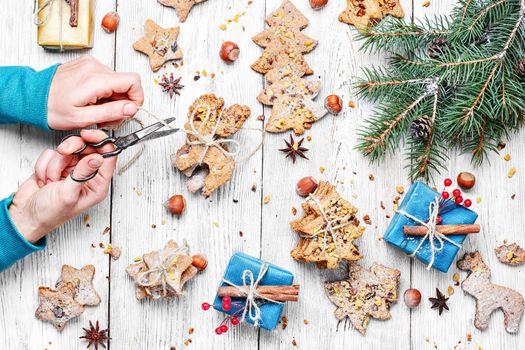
[[333, 103], [110, 21], [412, 297], [176, 204], [305, 186], [199, 262], [466, 180], [318, 4], [229, 51]]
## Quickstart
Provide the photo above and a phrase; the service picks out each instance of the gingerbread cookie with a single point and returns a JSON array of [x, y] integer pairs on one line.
[[287, 14], [82, 280], [490, 296], [163, 273], [364, 14], [510, 254], [327, 228], [291, 98], [283, 36], [209, 166], [58, 306], [182, 7], [367, 293], [160, 44], [274, 56]]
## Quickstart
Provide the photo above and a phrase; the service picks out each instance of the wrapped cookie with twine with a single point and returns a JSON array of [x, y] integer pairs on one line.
[[327, 228], [64, 24]]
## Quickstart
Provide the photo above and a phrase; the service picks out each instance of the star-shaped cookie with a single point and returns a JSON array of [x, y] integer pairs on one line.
[[317, 244], [366, 293], [82, 280], [58, 306], [183, 7], [364, 14], [160, 44]]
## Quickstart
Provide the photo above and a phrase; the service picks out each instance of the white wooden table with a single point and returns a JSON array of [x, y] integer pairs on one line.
[[212, 226]]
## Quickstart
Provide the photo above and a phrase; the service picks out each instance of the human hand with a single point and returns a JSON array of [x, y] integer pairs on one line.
[[50, 197], [85, 92]]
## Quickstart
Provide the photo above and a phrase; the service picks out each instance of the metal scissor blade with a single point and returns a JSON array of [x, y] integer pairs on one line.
[[133, 138], [159, 134]]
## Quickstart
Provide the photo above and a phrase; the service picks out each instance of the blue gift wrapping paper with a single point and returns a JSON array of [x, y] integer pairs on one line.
[[416, 203], [275, 276]]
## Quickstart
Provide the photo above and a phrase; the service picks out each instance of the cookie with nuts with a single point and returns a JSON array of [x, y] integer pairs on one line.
[[82, 280], [58, 306], [364, 14], [274, 56], [162, 273], [160, 44], [205, 157], [287, 14], [327, 229], [367, 293], [182, 7], [510, 254]]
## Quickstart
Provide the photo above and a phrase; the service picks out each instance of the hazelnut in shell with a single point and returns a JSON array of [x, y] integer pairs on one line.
[[110, 21], [305, 186], [318, 4], [199, 262], [466, 180], [176, 204], [333, 104], [412, 297], [229, 51]]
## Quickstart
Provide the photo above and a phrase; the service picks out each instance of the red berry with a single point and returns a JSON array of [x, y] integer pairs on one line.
[[445, 195], [438, 220], [223, 328], [448, 182], [205, 306], [218, 331], [235, 321], [226, 300], [467, 203], [226, 307], [459, 199], [456, 192]]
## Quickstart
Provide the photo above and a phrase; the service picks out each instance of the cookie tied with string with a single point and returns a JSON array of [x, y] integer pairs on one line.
[[207, 157], [328, 228], [162, 273]]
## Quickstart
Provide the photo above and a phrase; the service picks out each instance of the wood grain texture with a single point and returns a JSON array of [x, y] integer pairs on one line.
[[212, 226]]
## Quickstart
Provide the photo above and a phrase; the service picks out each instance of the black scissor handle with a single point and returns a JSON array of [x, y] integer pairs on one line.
[[80, 150], [103, 142]]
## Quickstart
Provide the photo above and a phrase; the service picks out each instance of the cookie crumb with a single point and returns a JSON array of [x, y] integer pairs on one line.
[[400, 189], [371, 177], [426, 4], [450, 290], [507, 157], [366, 219], [351, 104], [512, 172], [306, 322], [322, 169], [266, 199], [284, 320]]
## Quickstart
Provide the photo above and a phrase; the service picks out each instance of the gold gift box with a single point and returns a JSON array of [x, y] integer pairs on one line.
[[52, 27]]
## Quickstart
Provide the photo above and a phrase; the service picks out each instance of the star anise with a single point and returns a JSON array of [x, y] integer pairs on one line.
[[171, 85], [95, 336], [294, 149], [440, 302]]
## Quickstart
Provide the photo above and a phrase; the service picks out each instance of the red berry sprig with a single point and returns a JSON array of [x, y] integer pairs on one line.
[[226, 306], [456, 196]]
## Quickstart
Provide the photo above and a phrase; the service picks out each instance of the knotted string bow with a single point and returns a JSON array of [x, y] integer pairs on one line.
[[161, 271], [329, 228], [40, 22], [432, 234], [249, 286]]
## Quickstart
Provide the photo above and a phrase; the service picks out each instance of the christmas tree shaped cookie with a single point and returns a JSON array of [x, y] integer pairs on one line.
[[327, 229], [366, 293]]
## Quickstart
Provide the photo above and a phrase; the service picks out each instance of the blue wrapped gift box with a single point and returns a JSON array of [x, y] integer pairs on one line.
[[416, 203], [275, 276]]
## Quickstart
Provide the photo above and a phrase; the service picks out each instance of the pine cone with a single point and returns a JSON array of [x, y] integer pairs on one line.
[[421, 127], [521, 66], [436, 47]]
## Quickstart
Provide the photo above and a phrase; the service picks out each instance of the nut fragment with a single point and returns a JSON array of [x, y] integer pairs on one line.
[[110, 21], [466, 180], [305, 186], [229, 51], [412, 297], [199, 262], [176, 204], [333, 104], [318, 4]]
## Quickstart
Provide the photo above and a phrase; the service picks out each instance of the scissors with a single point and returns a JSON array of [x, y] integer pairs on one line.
[[123, 142]]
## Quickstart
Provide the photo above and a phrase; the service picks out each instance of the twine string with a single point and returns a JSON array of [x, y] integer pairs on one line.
[[161, 271], [38, 22], [249, 286], [432, 233]]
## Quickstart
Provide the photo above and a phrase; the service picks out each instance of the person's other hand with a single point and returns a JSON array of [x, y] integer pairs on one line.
[[85, 92], [50, 197]]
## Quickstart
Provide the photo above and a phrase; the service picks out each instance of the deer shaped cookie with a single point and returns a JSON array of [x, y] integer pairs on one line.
[[490, 296]]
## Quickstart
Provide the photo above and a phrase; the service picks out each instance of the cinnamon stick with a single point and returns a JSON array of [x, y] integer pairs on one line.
[[277, 293], [443, 229], [73, 18]]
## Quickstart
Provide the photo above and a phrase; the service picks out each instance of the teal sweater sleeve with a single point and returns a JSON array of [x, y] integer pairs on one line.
[[23, 96], [13, 246], [24, 92]]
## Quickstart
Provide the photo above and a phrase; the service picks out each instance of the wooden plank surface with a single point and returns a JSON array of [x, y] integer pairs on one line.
[[139, 223]]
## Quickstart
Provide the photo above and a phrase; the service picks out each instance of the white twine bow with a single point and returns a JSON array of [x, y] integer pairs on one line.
[[432, 233], [251, 308], [161, 271], [330, 228], [39, 23]]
